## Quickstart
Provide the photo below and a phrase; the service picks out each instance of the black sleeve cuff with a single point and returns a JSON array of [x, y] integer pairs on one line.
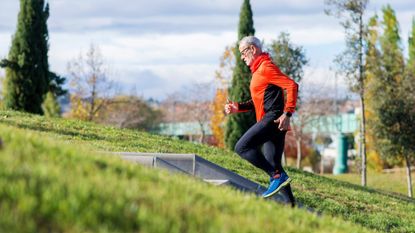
[[246, 106], [288, 114]]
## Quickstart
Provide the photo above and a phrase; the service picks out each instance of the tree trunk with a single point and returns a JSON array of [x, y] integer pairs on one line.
[[202, 131], [363, 142], [408, 175], [362, 102], [93, 99], [298, 153]]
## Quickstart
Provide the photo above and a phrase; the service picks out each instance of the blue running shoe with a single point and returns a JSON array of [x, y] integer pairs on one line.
[[277, 182]]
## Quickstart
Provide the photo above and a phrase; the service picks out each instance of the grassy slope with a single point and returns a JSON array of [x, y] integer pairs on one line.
[[46, 186], [391, 182], [351, 202]]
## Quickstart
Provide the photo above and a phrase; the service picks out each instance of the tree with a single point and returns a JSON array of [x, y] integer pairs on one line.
[[91, 88], [27, 68], [409, 83], [372, 74], [393, 102], [410, 68], [218, 117], [351, 61], [308, 112], [55, 85], [130, 112], [288, 57], [1, 90], [237, 124], [291, 59], [199, 105], [223, 77], [192, 104], [50, 106]]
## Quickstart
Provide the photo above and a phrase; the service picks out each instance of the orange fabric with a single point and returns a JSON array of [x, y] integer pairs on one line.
[[264, 72]]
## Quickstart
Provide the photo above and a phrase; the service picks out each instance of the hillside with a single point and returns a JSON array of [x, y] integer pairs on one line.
[[396, 181], [49, 169]]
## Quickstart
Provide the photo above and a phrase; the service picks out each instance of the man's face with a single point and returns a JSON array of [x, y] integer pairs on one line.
[[247, 53]]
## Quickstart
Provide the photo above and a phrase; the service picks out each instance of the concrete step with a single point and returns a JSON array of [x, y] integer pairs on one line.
[[194, 165], [217, 182]]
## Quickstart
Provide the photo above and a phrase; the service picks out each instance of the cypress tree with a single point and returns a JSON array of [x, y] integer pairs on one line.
[[411, 50], [390, 42], [27, 68], [409, 98], [385, 84], [237, 124], [372, 68], [373, 74], [393, 103]]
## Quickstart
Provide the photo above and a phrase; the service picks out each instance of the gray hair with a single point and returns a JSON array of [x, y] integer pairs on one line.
[[251, 40]]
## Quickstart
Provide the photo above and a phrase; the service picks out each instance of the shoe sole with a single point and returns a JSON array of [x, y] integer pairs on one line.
[[279, 188]]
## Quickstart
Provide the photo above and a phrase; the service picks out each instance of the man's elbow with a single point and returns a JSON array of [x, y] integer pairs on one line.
[[296, 86]]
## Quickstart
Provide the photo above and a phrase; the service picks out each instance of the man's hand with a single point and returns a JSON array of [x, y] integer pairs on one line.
[[283, 122], [231, 107]]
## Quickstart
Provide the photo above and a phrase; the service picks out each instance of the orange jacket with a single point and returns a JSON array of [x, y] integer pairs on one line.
[[267, 89]]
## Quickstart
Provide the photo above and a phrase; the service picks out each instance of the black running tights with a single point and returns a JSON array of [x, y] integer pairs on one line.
[[265, 134]]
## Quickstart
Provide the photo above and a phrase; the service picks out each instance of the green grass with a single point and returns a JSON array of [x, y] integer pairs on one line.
[[46, 186], [56, 158], [390, 182]]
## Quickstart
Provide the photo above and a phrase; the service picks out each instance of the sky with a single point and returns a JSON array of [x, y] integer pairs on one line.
[[161, 46]]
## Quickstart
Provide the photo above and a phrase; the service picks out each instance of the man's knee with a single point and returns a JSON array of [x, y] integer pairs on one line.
[[239, 148], [242, 150]]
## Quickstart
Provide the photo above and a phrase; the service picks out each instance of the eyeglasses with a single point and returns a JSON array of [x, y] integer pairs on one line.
[[243, 52]]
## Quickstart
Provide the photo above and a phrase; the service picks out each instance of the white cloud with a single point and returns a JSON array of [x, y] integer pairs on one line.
[[5, 39], [166, 62], [194, 54], [160, 80], [324, 82]]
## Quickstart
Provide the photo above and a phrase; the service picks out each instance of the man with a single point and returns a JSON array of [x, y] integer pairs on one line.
[[272, 114]]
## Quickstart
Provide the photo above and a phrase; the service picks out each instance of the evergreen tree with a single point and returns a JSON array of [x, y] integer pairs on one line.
[[409, 98], [373, 74], [237, 124], [50, 106], [372, 68], [1, 90], [393, 103], [392, 54], [410, 67], [55, 84], [385, 75], [27, 69]]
